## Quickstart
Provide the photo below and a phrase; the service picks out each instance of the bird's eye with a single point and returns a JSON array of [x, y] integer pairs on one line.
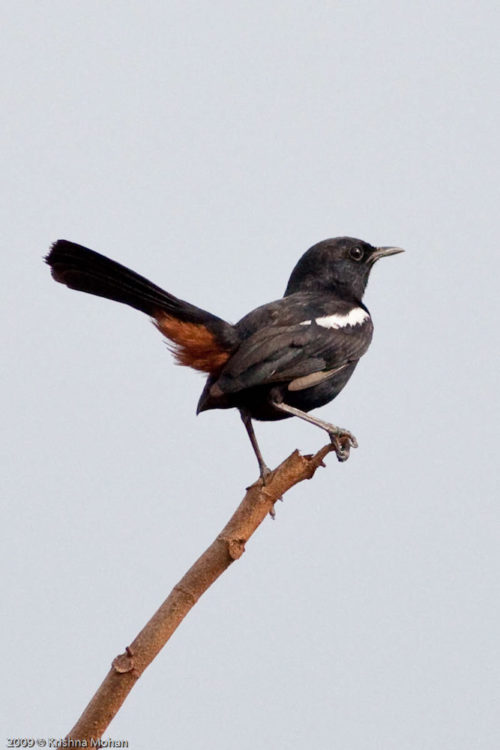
[[356, 253]]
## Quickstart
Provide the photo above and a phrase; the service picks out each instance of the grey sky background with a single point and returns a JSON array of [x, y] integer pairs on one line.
[[207, 145]]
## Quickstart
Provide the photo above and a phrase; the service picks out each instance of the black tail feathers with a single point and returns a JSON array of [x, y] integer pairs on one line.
[[87, 271]]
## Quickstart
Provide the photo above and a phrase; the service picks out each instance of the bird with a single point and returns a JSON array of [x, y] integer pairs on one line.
[[281, 360]]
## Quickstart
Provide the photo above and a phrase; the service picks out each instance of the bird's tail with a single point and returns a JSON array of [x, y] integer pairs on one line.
[[87, 271], [200, 339]]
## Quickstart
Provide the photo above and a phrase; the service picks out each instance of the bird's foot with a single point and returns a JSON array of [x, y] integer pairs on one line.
[[342, 441], [265, 473]]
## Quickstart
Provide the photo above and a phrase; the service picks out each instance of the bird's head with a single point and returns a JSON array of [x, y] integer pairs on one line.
[[341, 265]]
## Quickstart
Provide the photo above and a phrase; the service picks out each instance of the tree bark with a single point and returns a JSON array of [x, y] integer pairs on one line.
[[228, 546]]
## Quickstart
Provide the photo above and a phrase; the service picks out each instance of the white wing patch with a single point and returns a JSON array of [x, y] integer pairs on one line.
[[354, 317]]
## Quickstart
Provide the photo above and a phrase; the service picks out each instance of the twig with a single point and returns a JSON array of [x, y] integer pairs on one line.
[[227, 547]]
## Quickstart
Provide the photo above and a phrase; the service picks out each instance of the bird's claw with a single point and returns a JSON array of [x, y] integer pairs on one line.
[[343, 441]]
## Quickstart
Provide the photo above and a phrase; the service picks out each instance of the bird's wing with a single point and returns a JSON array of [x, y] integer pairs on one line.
[[301, 355]]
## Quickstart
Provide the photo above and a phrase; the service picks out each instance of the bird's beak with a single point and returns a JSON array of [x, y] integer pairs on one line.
[[383, 252]]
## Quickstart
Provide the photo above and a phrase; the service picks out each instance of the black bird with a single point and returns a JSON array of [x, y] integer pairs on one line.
[[282, 359]]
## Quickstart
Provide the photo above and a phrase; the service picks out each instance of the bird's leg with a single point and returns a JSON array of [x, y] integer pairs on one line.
[[342, 440], [264, 469]]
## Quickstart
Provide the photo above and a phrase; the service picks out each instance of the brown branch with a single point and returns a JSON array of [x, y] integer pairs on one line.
[[227, 547]]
